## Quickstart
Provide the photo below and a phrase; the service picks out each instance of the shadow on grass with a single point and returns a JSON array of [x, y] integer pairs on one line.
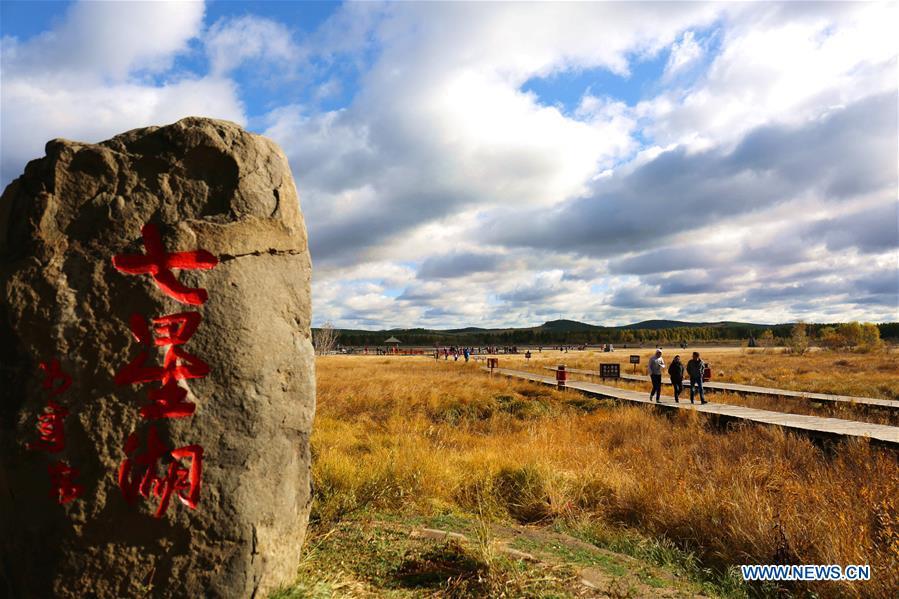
[[445, 566]]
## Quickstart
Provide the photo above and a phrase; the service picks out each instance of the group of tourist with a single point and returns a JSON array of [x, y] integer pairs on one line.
[[456, 352], [467, 352], [695, 369]]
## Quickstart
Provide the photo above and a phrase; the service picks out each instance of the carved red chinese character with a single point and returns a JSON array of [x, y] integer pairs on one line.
[[50, 425], [168, 402], [178, 363], [129, 482], [53, 373], [182, 481], [159, 263], [62, 482], [138, 474], [173, 330]]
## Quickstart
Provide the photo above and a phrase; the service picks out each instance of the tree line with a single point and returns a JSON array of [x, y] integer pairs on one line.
[[828, 334]]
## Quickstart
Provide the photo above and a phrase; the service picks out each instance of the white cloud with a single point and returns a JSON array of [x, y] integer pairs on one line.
[[724, 196], [84, 80], [108, 40], [36, 111], [684, 53], [440, 124], [438, 141], [775, 66], [232, 42]]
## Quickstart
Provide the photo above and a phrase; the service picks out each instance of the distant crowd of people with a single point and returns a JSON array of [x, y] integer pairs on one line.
[[467, 352], [695, 370], [460, 352]]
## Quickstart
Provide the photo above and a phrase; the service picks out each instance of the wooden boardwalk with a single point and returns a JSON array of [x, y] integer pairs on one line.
[[828, 428], [888, 404]]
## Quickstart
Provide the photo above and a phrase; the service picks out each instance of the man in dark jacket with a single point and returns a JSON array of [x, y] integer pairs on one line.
[[676, 372], [695, 369]]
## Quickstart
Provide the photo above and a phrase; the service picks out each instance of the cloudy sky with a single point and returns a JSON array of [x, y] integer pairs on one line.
[[506, 164]]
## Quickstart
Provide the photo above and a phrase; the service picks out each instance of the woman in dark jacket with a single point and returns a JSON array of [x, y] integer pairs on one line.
[[676, 372]]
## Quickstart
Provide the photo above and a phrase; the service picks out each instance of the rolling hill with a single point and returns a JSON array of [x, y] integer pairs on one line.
[[564, 331]]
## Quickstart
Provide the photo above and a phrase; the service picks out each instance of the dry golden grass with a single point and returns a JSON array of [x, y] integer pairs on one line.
[[874, 374], [842, 373], [413, 435], [844, 410]]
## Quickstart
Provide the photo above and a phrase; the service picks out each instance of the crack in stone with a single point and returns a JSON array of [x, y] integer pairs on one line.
[[270, 252]]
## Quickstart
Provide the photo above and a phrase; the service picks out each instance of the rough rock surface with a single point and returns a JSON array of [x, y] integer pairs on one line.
[[208, 185]]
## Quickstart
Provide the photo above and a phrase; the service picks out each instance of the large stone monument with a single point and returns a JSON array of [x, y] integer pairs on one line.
[[157, 380]]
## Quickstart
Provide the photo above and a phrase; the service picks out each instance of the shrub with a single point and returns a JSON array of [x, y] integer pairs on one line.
[[862, 336], [798, 341], [869, 337], [524, 492], [831, 338]]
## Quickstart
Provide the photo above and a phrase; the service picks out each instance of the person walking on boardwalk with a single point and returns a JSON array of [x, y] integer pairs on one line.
[[676, 372], [695, 369], [656, 367]]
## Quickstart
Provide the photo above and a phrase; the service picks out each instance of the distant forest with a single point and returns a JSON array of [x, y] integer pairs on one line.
[[567, 332]]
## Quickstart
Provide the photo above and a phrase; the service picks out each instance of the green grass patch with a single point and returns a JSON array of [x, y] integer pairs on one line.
[[572, 555], [378, 558], [661, 552]]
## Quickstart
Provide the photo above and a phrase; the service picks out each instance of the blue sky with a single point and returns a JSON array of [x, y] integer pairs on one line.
[[501, 164], [566, 88]]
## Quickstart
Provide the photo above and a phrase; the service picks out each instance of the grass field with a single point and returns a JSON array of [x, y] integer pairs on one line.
[[406, 442], [873, 374], [863, 375]]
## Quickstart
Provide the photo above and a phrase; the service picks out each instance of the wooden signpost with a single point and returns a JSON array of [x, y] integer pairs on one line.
[[610, 371]]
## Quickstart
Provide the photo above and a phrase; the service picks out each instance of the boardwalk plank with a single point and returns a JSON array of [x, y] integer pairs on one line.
[[814, 425], [750, 389]]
